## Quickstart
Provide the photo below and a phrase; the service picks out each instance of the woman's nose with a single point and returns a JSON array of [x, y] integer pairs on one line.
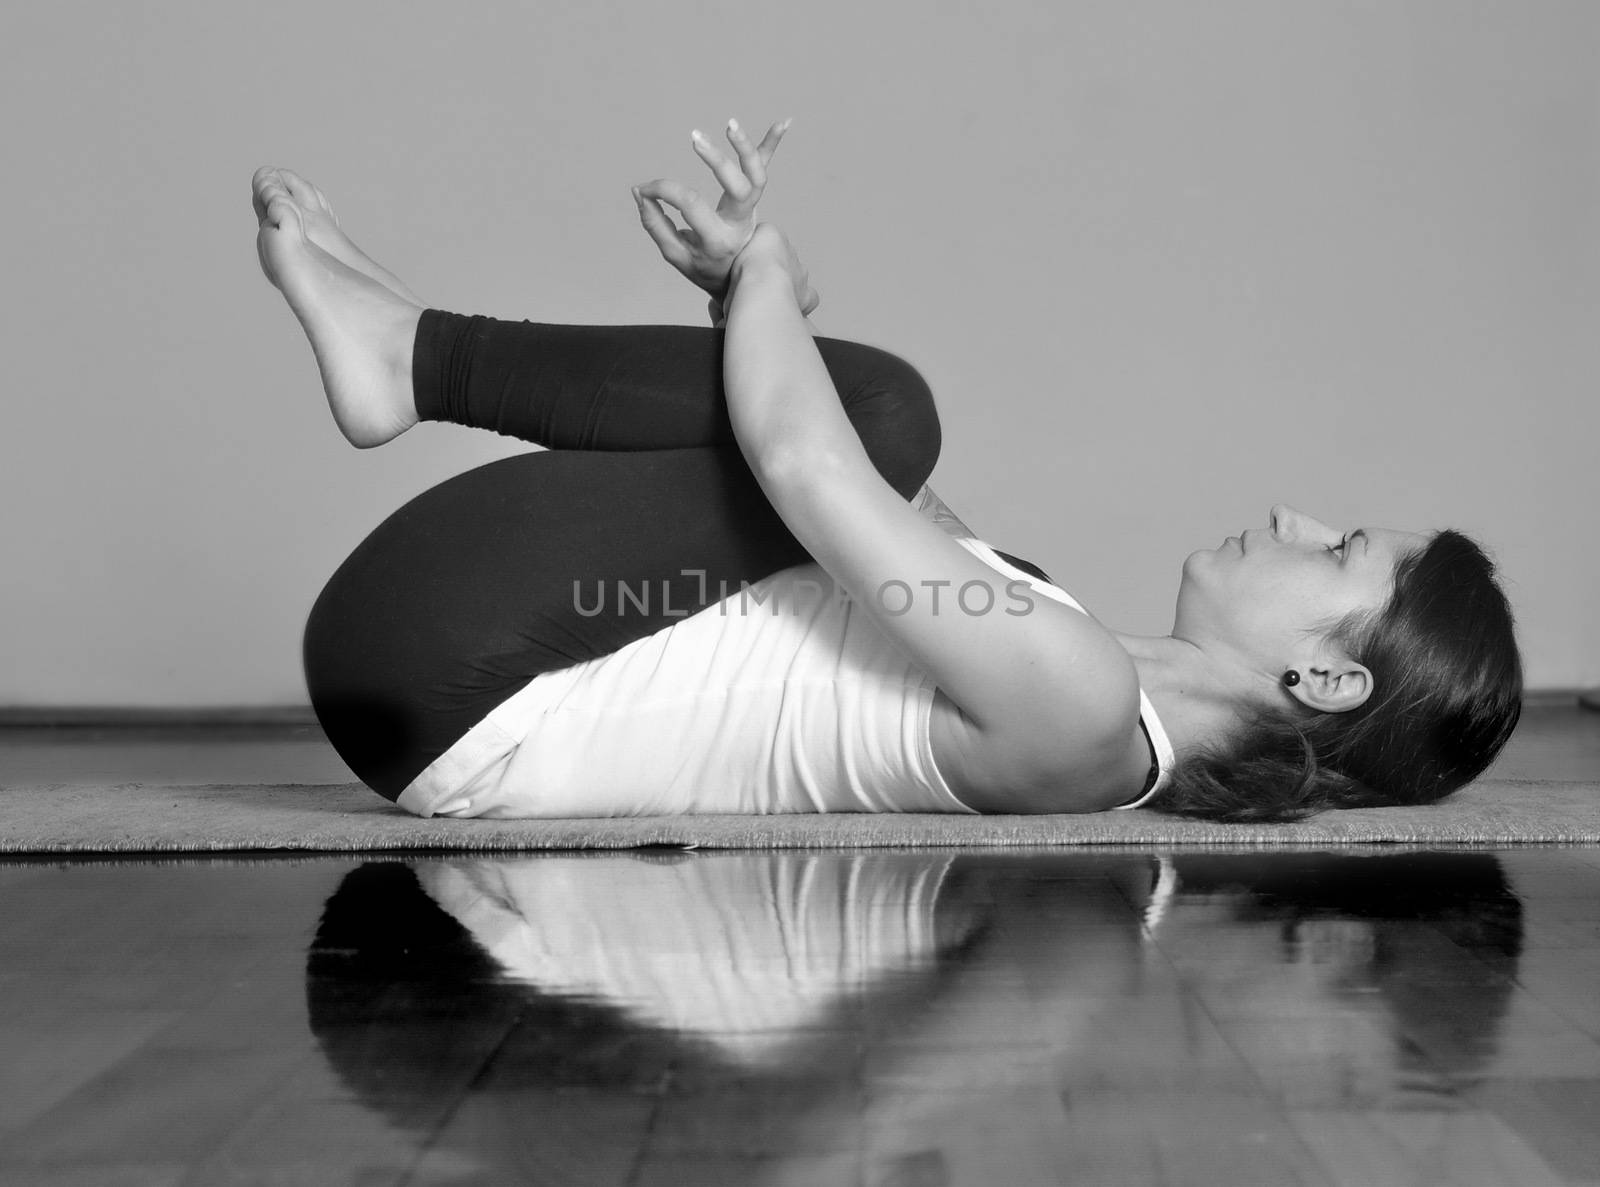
[[1289, 524]]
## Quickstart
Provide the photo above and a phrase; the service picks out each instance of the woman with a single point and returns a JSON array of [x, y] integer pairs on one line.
[[712, 595]]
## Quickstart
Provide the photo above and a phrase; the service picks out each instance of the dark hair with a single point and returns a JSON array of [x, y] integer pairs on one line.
[[1447, 693], [1436, 919]]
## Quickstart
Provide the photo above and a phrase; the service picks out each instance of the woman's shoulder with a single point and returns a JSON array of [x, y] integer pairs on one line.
[[1078, 746], [1080, 770]]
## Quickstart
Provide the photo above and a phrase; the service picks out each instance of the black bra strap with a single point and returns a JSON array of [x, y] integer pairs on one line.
[[1155, 761], [1027, 567]]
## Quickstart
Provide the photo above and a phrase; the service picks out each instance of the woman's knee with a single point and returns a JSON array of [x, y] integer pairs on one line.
[[893, 411]]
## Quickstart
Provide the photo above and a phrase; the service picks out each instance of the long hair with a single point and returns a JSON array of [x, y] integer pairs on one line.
[[1409, 901], [1447, 693]]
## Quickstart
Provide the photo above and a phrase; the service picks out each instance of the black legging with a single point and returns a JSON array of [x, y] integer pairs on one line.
[[466, 593]]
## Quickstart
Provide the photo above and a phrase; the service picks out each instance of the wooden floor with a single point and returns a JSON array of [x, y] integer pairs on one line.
[[889, 1018]]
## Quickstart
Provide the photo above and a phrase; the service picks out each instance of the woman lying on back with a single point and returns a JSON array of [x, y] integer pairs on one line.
[[725, 587]]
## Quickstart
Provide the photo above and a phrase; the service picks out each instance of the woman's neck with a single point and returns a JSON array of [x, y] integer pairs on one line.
[[1200, 703]]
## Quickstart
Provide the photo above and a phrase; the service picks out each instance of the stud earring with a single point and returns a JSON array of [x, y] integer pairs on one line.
[[1291, 678]]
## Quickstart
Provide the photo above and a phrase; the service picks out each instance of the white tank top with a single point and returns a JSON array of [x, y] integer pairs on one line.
[[785, 696], [778, 939]]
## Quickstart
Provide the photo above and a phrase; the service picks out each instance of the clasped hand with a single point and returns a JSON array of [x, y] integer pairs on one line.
[[705, 251]]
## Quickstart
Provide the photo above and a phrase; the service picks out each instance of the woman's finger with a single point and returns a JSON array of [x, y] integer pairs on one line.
[[774, 137], [753, 158], [662, 230], [686, 202], [750, 159], [728, 175]]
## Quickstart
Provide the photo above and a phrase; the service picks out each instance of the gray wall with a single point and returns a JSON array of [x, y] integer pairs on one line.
[[1165, 263]]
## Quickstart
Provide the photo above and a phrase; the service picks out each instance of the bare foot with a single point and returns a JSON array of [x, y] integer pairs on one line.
[[322, 228], [360, 330]]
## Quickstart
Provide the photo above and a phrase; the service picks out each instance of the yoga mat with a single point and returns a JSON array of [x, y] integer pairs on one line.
[[150, 818]]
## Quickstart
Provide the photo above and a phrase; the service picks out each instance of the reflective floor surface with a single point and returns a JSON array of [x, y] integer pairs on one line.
[[890, 1018], [877, 1017]]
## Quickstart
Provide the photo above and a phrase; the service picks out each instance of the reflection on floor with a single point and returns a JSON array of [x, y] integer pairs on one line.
[[880, 1017]]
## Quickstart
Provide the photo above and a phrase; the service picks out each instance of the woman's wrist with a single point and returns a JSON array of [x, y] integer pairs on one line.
[[755, 276], [769, 261], [755, 267]]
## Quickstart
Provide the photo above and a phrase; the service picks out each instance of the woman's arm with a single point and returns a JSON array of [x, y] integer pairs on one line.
[[719, 316], [1050, 696]]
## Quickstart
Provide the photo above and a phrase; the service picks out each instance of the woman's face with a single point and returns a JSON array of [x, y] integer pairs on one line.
[[1272, 591]]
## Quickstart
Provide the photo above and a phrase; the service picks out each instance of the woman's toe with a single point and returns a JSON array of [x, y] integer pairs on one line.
[[304, 192], [282, 211], [259, 181]]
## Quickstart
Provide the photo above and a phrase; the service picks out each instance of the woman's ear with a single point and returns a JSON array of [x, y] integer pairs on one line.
[[1332, 682]]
